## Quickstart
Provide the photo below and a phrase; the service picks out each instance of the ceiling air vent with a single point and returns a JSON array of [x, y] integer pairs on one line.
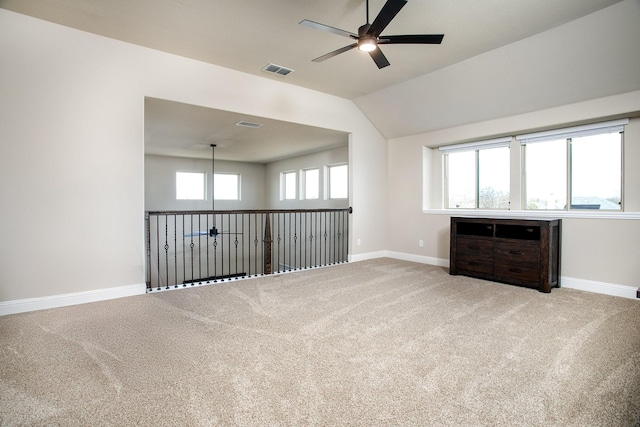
[[277, 69], [248, 124]]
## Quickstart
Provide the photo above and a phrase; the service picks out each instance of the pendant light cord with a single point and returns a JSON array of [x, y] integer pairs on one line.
[[214, 230]]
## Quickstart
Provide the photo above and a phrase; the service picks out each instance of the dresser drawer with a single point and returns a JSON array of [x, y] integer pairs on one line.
[[475, 266], [517, 273], [474, 247], [521, 253]]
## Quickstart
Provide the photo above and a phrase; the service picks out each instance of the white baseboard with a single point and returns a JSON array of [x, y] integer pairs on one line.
[[613, 289], [366, 256], [599, 287], [54, 301], [400, 255], [418, 258]]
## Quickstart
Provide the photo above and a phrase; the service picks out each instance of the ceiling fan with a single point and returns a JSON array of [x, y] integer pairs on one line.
[[369, 35], [213, 231]]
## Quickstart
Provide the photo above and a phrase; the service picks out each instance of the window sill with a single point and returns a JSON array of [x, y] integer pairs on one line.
[[533, 214]]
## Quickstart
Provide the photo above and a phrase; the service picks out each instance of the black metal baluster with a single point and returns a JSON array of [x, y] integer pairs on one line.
[[278, 240], [255, 243], [215, 252], [158, 247], [184, 253], [342, 254], [336, 233], [305, 239], [222, 251], [235, 217], [206, 244], [147, 225], [175, 246], [191, 245], [336, 238], [295, 240], [242, 249], [248, 215], [310, 246], [305, 261], [288, 231], [166, 251], [229, 242], [318, 241], [348, 229]]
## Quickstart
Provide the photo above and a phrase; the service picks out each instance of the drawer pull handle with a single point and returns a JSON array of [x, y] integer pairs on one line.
[[474, 247], [515, 270], [515, 252], [474, 264]]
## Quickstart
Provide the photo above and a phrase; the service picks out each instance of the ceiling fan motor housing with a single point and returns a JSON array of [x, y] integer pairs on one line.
[[366, 42]]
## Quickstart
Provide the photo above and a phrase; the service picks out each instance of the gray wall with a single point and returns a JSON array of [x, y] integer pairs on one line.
[[260, 184], [160, 184], [72, 155], [72, 151], [318, 160], [595, 247]]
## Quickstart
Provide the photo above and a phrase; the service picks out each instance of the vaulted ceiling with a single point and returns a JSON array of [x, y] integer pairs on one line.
[[497, 58]]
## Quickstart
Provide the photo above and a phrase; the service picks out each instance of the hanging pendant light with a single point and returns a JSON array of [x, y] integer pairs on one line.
[[213, 232]]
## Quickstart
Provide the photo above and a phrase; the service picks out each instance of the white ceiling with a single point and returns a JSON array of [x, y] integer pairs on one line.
[[246, 35], [182, 130]]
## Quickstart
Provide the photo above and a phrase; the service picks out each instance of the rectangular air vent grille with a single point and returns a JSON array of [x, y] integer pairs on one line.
[[248, 124], [277, 69]]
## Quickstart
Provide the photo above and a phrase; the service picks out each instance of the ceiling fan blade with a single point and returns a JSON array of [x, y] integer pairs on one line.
[[379, 58], [412, 39], [322, 27], [388, 12], [335, 52]]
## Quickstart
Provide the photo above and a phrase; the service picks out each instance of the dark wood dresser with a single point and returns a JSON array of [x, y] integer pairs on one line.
[[516, 251]]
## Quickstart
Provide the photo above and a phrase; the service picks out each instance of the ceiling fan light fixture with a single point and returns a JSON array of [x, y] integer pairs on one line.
[[367, 44]]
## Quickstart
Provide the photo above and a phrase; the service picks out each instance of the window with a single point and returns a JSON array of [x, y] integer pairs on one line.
[[461, 179], [575, 168], [571, 169], [311, 183], [477, 175], [190, 185], [596, 172], [288, 186], [338, 181], [226, 186]]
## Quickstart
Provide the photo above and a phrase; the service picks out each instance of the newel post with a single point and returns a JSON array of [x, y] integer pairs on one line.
[[267, 246]]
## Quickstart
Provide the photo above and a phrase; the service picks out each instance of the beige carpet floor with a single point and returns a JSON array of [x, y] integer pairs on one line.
[[373, 343]]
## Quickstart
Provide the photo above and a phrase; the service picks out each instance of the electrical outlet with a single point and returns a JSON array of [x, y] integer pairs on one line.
[[359, 242], [421, 243]]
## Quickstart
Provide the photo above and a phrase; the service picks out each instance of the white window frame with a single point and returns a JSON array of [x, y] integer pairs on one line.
[[304, 185], [182, 192], [328, 186], [284, 182], [216, 180], [475, 146], [433, 191], [566, 135]]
